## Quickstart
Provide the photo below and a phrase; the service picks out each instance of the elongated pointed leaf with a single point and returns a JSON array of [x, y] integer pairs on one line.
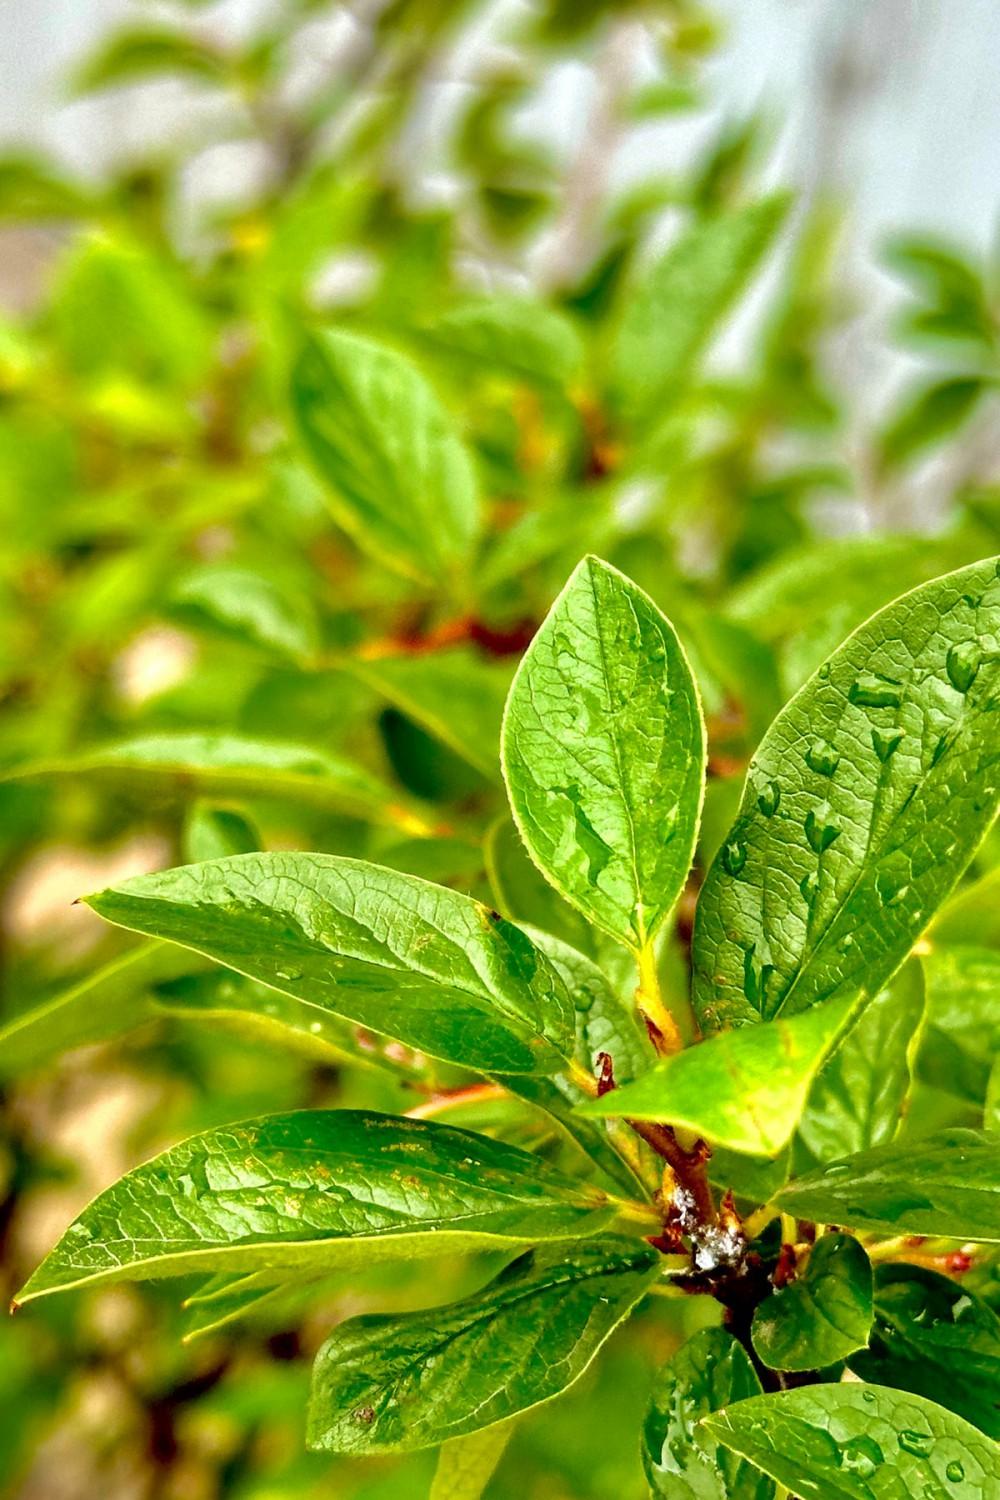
[[418, 962], [744, 1089], [862, 1090], [947, 1184], [670, 316], [389, 1384], [111, 1000], [823, 1315], [316, 1190], [604, 753], [860, 1442], [864, 803], [936, 1338], [220, 763], [681, 1461], [397, 474], [229, 1299], [220, 998]]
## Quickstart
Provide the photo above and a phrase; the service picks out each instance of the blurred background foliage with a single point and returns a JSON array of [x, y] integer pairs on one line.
[[209, 642]]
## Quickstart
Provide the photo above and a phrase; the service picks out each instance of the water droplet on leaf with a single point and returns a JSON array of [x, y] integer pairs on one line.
[[872, 691], [917, 1443], [822, 758], [962, 664], [955, 1472], [861, 1456], [886, 742], [734, 855], [769, 798], [819, 833]]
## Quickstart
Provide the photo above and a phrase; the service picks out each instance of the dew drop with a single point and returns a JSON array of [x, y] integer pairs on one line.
[[917, 1443], [861, 1456], [885, 743], [583, 1001], [289, 974], [824, 670], [820, 834], [769, 798], [955, 1472], [871, 691], [962, 664], [734, 855], [822, 758], [808, 886]]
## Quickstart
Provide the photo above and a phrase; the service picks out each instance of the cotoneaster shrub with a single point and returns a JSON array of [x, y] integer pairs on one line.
[[689, 1166]]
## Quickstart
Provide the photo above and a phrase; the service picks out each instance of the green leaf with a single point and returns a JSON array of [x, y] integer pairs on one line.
[[466, 1464], [668, 319], [604, 754], [822, 1316], [860, 1442], [112, 999], [604, 1023], [214, 832], [928, 416], [865, 801], [454, 695], [316, 1190], [399, 478], [936, 1338], [962, 1035], [862, 1090], [260, 1014], [391, 1384], [222, 764], [946, 1184], [418, 962], [681, 1461], [140, 53], [228, 1299], [248, 606], [513, 336], [524, 895], [744, 1089]]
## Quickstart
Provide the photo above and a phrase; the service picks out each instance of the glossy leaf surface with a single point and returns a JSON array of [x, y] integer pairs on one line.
[[823, 1315], [388, 1384], [744, 1089], [860, 1442], [681, 1462], [936, 1337], [604, 753], [315, 1189], [411, 960], [866, 799], [947, 1184]]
